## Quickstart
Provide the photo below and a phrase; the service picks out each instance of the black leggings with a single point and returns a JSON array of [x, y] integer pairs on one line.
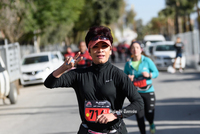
[[148, 112]]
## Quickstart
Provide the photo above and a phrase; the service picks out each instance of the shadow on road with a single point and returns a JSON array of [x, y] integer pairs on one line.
[[195, 77], [13, 111]]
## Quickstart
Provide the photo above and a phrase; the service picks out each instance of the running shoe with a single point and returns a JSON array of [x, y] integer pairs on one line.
[[180, 70], [152, 128]]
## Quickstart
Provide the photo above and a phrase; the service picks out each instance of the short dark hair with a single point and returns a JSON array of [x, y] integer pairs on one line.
[[135, 42], [98, 30]]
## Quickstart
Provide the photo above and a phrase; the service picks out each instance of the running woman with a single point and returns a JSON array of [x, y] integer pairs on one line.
[[141, 69], [100, 89]]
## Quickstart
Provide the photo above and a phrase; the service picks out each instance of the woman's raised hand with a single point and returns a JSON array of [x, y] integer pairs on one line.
[[72, 61], [69, 63]]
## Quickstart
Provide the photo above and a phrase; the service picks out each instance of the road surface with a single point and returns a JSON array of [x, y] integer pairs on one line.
[[43, 111]]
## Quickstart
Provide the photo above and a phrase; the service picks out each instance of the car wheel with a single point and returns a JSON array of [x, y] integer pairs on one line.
[[13, 94]]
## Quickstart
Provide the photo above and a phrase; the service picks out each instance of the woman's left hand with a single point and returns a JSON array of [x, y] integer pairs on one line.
[[145, 74], [105, 118]]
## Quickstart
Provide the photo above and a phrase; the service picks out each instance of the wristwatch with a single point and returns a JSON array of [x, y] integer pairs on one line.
[[118, 114]]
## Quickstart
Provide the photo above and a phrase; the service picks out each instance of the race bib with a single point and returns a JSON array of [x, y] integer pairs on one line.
[[140, 82], [94, 108]]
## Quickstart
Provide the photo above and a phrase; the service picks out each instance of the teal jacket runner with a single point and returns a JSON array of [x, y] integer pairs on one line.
[[146, 65]]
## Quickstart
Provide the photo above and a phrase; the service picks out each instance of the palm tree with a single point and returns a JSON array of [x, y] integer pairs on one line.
[[168, 14], [181, 8], [174, 4], [186, 8]]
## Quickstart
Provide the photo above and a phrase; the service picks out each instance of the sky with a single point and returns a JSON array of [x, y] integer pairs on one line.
[[145, 9]]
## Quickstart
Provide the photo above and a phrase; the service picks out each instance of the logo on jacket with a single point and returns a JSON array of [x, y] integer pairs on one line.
[[144, 68], [108, 80], [89, 104]]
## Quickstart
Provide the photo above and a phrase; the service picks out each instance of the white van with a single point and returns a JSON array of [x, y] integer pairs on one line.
[[149, 40], [154, 38]]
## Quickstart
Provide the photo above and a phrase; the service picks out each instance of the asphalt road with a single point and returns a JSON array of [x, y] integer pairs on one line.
[[43, 111]]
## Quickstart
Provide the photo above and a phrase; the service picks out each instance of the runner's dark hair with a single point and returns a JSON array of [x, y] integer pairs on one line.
[[98, 30]]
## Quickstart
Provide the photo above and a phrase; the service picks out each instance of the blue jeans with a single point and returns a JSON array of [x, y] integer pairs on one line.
[[179, 55]]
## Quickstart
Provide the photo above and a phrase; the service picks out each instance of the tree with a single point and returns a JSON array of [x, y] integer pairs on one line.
[[186, 8], [54, 21], [130, 21], [175, 5], [49, 20], [94, 13], [181, 8], [56, 18], [167, 15], [15, 19], [106, 11], [140, 29]]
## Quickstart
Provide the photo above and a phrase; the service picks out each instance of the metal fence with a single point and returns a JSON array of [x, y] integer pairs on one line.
[[191, 48], [10, 54]]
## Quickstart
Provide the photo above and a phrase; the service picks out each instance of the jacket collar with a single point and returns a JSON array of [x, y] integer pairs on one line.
[[100, 67]]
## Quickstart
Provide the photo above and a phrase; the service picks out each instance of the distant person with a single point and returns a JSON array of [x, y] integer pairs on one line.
[[113, 55], [69, 53], [141, 69], [119, 51], [179, 48], [87, 59], [126, 47]]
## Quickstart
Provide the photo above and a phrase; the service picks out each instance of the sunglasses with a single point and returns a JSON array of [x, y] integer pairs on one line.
[[99, 37]]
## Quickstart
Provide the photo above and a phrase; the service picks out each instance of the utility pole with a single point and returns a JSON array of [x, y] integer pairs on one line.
[[198, 19]]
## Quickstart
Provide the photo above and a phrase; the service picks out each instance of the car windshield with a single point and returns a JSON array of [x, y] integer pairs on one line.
[[154, 41], [165, 48], [36, 59]]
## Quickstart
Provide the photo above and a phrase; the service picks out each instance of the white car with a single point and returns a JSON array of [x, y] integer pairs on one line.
[[164, 54], [36, 67]]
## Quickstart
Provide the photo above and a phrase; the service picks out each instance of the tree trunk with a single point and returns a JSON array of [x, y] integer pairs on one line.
[[176, 21], [198, 16], [198, 23], [184, 24], [189, 21]]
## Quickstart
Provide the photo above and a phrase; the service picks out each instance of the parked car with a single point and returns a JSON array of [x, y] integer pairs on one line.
[[7, 88], [36, 67], [164, 54]]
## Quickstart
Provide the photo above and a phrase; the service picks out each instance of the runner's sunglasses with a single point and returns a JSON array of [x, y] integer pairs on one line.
[[99, 37]]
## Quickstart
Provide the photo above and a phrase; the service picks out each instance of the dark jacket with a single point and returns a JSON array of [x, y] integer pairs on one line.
[[100, 82]]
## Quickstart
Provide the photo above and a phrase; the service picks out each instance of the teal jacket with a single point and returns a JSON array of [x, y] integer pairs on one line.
[[146, 65]]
